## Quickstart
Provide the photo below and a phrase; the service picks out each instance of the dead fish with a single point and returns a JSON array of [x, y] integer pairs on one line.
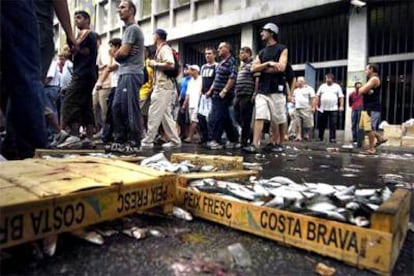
[[321, 207], [349, 175], [208, 168], [373, 206], [154, 159], [181, 214], [386, 194], [334, 215], [90, 236], [106, 232], [350, 170], [282, 180], [365, 192], [286, 193], [252, 166], [49, 245], [156, 233], [135, 232], [276, 201], [323, 189], [240, 191], [352, 205], [360, 221], [260, 190], [347, 191]]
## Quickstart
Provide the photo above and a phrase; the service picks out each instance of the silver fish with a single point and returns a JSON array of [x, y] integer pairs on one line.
[[106, 232], [365, 192], [322, 207], [282, 180], [260, 190], [334, 214], [276, 201], [360, 221], [49, 245], [347, 191], [323, 189], [181, 214], [90, 236], [154, 159], [386, 194], [156, 233], [208, 168], [135, 232], [352, 205]]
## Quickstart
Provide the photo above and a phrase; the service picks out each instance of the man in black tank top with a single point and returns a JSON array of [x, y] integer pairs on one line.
[[270, 100], [371, 111]]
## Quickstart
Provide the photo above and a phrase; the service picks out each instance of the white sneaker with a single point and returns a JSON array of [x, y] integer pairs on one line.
[[69, 141], [171, 145], [147, 145]]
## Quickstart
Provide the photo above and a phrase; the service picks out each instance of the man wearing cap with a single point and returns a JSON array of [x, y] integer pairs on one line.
[[222, 93], [270, 99], [163, 95], [125, 107], [192, 98]]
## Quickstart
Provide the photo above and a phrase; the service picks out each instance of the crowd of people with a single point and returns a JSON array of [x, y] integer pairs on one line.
[[130, 99]]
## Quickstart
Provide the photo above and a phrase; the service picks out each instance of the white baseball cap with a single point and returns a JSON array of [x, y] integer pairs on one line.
[[271, 27], [194, 67]]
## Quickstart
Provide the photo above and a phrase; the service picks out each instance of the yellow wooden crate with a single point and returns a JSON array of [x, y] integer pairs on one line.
[[392, 131], [409, 131], [375, 248], [407, 141], [40, 197], [221, 162]]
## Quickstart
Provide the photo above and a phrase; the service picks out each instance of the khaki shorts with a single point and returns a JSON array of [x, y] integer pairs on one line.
[[271, 107], [192, 112], [306, 115]]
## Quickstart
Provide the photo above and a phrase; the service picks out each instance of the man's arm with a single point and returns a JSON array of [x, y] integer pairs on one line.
[[371, 84], [123, 51], [341, 103], [258, 66], [62, 13]]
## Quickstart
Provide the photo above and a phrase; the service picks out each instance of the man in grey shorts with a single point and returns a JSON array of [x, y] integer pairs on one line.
[[270, 100]]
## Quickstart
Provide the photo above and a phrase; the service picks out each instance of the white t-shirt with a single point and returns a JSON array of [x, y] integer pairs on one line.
[[115, 76], [329, 96], [303, 96], [194, 91], [54, 74]]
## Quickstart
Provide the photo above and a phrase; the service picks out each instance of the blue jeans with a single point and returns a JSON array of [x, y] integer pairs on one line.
[[356, 114], [21, 83], [220, 121]]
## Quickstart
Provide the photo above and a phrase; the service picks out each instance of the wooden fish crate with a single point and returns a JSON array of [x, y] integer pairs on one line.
[[40, 153], [407, 141], [392, 131], [40, 197], [221, 162], [375, 248]]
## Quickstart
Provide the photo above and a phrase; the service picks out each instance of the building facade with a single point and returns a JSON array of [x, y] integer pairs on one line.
[[324, 35]]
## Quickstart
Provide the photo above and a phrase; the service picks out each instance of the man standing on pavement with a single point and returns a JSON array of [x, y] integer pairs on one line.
[[355, 101], [222, 93], [305, 107], [125, 107], [163, 95], [245, 88], [371, 112], [327, 98], [192, 99], [77, 104], [270, 100], [207, 72]]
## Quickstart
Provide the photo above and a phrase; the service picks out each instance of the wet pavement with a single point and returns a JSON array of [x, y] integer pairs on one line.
[[203, 240]]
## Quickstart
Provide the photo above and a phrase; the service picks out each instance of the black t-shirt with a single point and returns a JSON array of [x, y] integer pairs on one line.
[[208, 73], [372, 100], [271, 83], [84, 62]]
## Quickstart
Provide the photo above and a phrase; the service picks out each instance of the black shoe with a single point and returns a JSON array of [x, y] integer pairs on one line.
[[332, 141], [278, 148], [269, 147], [250, 149]]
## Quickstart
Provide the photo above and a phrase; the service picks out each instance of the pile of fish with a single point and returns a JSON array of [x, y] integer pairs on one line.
[[336, 202], [160, 163]]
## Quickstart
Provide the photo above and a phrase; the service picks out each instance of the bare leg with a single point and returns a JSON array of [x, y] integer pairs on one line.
[[257, 132]]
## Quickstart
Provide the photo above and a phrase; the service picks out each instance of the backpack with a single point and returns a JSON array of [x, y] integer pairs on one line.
[[173, 73]]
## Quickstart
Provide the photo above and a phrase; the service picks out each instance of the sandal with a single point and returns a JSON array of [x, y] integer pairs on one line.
[[367, 152], [384, 140]]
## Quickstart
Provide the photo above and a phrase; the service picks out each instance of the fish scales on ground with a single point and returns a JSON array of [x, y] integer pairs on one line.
[[335, 202]]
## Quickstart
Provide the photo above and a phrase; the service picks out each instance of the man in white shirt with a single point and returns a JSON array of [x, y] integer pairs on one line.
[[304, 99], [327, 98], [192, 98]]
